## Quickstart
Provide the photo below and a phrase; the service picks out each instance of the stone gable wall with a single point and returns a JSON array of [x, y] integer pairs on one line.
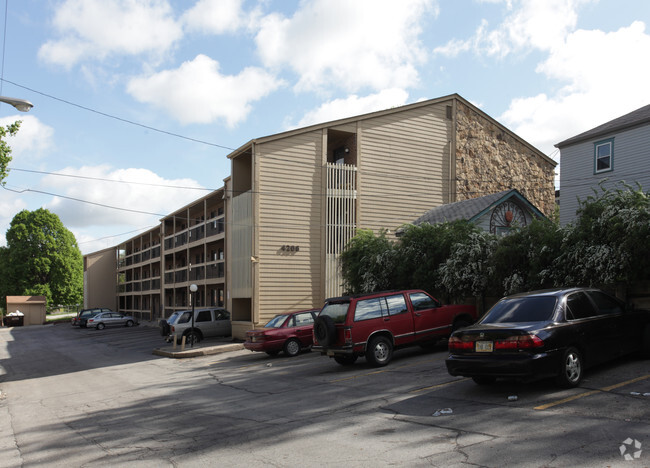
[[490, 160]]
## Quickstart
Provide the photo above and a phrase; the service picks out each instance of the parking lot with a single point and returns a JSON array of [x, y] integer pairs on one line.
[[86, 397]]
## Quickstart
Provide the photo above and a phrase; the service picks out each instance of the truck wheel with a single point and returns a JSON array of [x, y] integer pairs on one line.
[[379, 351], [324, 330], [192, 338]]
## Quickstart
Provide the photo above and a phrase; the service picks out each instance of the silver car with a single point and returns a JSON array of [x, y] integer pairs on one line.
[[208, 322], [110, 319]]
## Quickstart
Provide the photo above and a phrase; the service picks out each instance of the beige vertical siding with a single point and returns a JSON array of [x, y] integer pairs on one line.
[[403, 166], [290, 205], [242, 232]]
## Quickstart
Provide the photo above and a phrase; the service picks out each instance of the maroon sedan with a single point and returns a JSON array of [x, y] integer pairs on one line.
[[288, 332]]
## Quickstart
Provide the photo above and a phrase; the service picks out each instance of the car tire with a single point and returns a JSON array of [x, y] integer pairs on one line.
[[346, 360], [192, 338], [100, 326], [324, 330], [129, 323], [571, 368], [484, 380], [291, 347], [379, 351]]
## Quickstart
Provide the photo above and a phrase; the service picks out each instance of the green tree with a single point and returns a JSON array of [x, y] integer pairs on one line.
[[523, 260], [5, 149], [423, 248], [610, 240], [468, 269], [368, 263], [41, 258]]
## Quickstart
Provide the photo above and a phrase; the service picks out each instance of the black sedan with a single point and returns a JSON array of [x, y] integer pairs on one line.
[[555, 333]]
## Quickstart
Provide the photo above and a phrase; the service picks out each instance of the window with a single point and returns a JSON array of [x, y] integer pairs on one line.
[[303, 319], [396, 304], [368, 309], [606, 304], [604, 156], [421, 301], [579, 307], [204, 316]]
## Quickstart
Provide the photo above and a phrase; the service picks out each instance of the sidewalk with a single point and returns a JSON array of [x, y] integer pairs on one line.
[[206, 347]]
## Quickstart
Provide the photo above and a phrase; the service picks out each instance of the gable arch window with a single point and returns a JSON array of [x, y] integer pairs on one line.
[[604, 156]]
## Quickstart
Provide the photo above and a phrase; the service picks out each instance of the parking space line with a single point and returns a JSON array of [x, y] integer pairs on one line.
[[592, 392]]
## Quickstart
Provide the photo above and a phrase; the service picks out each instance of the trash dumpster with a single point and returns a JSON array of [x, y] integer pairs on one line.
[[14, 320]]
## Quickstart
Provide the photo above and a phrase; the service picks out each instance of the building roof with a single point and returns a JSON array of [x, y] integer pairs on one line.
[[246, 147], [471, 209], [633, 119]]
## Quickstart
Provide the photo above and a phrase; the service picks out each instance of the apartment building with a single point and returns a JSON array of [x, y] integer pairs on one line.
[[269, 240], [296, 198]]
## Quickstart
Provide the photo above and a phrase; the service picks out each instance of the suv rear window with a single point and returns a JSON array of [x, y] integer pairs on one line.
[[380, 306], [336, 310]]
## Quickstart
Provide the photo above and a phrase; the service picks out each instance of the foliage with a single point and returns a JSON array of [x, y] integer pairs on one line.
[[422, 249], [41, 258], [610, 240], [368, 263], [523, 259], [468, 269], [609, 243], [5, 149]]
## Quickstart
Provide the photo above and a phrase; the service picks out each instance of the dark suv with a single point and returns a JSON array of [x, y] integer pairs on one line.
[[373, 325]]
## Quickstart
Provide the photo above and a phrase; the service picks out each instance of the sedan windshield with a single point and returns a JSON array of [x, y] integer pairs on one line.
[[522, 309], [276, 322]]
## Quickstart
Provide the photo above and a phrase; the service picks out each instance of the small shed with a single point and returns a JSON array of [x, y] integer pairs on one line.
[[33, 308]]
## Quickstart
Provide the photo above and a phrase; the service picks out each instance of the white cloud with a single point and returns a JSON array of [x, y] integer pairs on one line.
[[603, 78], [349, 45], [532, 24], [147, 193], [217, 16], [197, 92], [96, 29], [353, 105], [32, 141]]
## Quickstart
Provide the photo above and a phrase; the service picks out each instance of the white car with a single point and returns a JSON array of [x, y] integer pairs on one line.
[[208, 322]]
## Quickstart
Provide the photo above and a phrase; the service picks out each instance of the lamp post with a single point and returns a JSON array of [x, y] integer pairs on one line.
[[21, 104], [193, 289]]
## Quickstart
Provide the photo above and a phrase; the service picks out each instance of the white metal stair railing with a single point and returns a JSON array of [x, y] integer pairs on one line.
[[340, 220]]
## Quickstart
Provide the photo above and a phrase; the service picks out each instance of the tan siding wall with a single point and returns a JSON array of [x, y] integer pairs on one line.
[[100, 279], [290, 204], [403, 166]]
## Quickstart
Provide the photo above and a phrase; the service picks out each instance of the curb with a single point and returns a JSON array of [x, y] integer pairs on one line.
[[190, 353]]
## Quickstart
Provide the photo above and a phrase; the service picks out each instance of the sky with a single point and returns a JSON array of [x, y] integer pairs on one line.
[[137, 103]]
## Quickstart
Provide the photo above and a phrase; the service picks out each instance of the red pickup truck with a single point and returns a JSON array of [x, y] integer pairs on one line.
[[373, 325]]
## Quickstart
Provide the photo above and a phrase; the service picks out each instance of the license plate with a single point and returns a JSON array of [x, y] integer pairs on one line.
[[330, 353], [484, 346]]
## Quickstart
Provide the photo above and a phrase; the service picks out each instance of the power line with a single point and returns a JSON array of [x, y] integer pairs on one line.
[[130, 122]]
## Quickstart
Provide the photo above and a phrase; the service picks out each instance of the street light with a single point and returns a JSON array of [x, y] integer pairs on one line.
[[21, 104], [193, 289]]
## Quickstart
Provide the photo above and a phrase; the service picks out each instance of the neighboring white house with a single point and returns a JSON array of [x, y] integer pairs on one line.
[[614, 152]]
